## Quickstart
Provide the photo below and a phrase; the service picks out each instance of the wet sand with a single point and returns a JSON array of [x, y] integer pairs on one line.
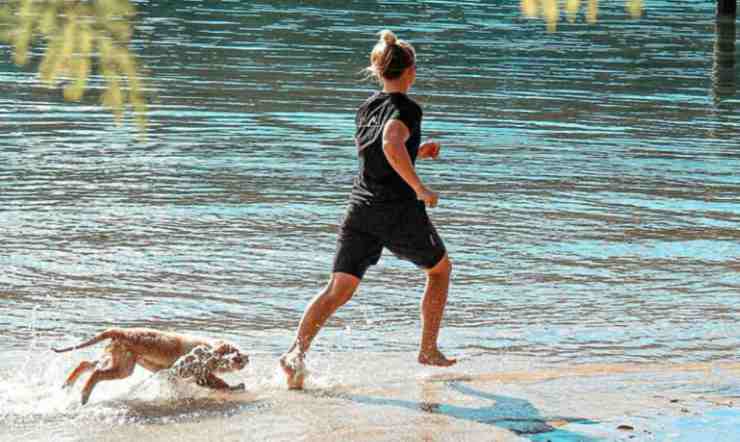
[[383, 397]]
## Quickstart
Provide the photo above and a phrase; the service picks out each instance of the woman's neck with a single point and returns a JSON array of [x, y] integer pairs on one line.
[[391, 86]]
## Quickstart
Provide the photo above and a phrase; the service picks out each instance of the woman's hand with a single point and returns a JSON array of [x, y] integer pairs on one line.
[[429, 197], [430, 149]]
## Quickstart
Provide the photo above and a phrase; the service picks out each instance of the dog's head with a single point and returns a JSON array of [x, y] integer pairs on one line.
[[228, 357]]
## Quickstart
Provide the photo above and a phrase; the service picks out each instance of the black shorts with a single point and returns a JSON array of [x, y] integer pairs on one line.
[[403, 228]]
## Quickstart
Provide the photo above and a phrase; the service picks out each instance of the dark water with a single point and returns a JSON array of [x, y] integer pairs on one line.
[[589, 182]]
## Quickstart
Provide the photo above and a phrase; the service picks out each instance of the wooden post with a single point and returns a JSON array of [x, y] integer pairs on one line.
[[727, 8], [724, 71]]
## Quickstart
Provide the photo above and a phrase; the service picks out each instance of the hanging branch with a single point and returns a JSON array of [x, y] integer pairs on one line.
[[78, 34], [550, 10]]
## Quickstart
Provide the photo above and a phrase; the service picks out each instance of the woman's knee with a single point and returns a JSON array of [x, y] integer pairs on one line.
[[443, 269], [342, 287]]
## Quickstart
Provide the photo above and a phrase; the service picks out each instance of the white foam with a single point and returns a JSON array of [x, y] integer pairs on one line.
[[31, 389]]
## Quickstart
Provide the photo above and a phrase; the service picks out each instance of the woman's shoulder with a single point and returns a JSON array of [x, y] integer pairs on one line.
[[373, 101], [395, 100], [406, 104], [375, 96]]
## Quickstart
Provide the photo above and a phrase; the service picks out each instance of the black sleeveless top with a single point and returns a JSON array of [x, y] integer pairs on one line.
[[376, 181]]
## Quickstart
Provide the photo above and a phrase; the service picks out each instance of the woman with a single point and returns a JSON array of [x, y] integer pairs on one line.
[[387, 208]]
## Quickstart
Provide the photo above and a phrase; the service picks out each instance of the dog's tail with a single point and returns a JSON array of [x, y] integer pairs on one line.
[[111, 333]]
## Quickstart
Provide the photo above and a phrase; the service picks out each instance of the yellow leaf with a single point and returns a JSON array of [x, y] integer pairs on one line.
[[592, 14], [551, 13], [634, 7], [571, 8], [120, 30], [85, 42], [48, 65], [6, 14], [22, 42], [113, 97], [48, 23], [69, 43], [530, 8], [105, 48], [74, 91], [25, 10], [124, 60], [80, 69]]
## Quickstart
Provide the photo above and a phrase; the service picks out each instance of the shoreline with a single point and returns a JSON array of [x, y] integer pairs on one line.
[[364, 397]]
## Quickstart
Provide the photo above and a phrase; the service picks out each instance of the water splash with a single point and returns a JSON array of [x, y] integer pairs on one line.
[[31, 389]]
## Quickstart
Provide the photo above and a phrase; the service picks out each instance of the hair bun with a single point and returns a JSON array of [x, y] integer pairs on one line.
[[388, 37], [390, 57]]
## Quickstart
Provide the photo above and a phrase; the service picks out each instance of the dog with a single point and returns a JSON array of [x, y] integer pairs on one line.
[[154, 350]]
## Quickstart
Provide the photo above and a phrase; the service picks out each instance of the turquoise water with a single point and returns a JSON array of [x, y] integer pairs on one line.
[[589, 183]]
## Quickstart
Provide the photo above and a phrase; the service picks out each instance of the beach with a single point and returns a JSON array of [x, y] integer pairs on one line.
[[373, 397]]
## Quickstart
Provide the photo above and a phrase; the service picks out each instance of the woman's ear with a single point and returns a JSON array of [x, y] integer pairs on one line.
[[410, 74]]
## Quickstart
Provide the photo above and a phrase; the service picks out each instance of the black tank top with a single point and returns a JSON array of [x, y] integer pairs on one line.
[[377, 181]]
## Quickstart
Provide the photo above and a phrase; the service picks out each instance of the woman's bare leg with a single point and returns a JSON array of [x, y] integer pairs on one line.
[[432, 310], [340, 289]]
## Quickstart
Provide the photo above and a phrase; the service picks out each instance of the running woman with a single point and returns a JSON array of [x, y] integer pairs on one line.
[[387, 208]]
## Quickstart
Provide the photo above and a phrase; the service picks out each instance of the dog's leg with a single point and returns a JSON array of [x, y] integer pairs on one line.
[[82, 368], [149, 366], [216, 383], [121, 366]]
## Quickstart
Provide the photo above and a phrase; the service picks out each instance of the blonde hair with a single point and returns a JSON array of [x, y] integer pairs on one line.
[[390, 57]]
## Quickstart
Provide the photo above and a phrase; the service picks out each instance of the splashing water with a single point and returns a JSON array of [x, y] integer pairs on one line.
[[31, 391]]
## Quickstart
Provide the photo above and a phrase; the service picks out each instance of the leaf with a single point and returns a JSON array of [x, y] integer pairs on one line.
[[113, 98], [551, 14], [592, 12], [634, 7], [23, 36], [530, 8], [74, 91], [70, 40], [571, 9], [47, 25]]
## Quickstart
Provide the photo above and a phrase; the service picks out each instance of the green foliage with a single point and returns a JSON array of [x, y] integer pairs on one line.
[[78, 36]]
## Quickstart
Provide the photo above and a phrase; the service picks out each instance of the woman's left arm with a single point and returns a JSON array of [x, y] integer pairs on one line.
[[430, 149]]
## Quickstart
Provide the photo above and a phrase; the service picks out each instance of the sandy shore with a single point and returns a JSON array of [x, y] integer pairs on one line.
[[377, 401]]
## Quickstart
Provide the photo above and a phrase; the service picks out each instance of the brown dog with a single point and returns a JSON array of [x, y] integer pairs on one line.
[[156, 350]]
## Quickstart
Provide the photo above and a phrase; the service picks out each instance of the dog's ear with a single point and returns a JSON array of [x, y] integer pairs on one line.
[[224, 348], [225, 351]]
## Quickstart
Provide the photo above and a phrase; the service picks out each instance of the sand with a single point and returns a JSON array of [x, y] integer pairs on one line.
[[385, 397]]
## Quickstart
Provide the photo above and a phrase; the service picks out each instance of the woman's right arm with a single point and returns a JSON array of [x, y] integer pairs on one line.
[[395, 134]]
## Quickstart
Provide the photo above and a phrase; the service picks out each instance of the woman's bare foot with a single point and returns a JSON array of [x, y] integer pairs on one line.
[[295, 370], [436, 358]]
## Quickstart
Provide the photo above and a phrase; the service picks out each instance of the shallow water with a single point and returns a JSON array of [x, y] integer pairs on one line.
[[588, 180]]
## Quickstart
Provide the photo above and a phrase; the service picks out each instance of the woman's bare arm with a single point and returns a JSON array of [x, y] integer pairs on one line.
[[395, 134]]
